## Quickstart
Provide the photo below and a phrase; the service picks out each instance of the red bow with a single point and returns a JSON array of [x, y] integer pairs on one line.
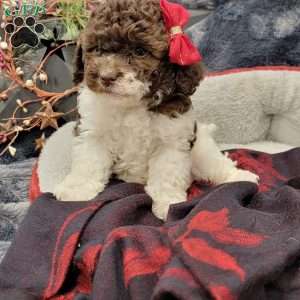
[[182, 51]]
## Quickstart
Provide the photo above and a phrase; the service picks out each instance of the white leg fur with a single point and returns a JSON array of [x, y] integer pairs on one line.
[[208, 163], [90, 171], [169, 178]]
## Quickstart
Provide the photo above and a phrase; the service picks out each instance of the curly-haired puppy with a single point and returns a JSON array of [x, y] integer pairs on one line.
[[136, 118]]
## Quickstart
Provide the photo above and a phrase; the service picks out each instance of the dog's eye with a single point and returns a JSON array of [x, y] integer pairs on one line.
[[139, 51], [93, 49], [96, 50]]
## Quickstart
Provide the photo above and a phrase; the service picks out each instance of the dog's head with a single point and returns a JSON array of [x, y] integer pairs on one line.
[[124, 51]]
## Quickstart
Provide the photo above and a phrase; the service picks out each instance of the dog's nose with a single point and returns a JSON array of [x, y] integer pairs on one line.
[[108, 80]]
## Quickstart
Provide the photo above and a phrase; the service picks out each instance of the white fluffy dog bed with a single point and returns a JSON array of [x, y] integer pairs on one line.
[[257, 109], [250, 105]]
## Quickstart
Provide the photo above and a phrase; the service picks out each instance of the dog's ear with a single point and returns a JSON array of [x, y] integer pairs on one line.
[[188, 78], [172, 87], [78, 74]]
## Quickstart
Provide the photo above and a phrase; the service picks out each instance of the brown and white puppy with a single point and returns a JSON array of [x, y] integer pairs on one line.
[[136, 112]]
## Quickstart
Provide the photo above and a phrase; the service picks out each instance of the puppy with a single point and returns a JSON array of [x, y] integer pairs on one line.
[[136, 117]]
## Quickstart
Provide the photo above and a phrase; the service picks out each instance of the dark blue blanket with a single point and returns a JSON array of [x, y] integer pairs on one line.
[[247, 33]]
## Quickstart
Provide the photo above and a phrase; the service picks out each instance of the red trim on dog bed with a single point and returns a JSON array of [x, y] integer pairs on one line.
[[34, 187], [262, 68]]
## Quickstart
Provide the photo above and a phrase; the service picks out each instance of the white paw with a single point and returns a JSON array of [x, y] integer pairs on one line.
[[76, 188], [160, 210], [160, 207], [243, 175]]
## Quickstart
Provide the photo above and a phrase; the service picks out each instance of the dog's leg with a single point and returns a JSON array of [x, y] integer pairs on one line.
[[90, 171], [169, 178], [208, 162]]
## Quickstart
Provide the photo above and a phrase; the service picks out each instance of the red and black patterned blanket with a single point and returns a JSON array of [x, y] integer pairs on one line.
[[233, 241]]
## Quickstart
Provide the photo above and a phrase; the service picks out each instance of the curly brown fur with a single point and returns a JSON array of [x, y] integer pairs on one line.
[[172, 87], [134, 31]]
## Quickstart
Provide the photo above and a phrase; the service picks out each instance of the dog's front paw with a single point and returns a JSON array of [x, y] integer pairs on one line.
[[160, 210], [243, 175], [161, 205], [75, 188], [163, 198]]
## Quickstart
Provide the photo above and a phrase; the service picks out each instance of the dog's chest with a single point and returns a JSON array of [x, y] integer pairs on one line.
[[131, 133], [131, 141]]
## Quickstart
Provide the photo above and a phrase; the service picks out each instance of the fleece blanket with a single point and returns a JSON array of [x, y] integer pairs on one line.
[[14, 181], [234, 241], [241, 33], [196, 4]]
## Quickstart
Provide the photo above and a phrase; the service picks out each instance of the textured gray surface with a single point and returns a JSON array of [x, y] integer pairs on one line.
[[198, 15], [195, 4], [14, 181], [241, 33]]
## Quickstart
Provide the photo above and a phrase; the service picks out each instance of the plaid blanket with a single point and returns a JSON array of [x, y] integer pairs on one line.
[[234, 241]]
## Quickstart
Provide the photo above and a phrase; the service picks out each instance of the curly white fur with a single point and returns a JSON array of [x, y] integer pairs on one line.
[[143, 147]]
